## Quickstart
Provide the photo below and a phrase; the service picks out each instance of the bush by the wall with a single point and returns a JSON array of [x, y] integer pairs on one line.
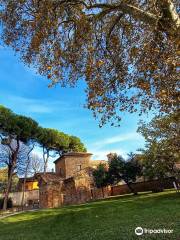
[[9, 203]]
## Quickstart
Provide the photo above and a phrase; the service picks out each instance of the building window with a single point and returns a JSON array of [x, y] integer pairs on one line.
[[79, 167]]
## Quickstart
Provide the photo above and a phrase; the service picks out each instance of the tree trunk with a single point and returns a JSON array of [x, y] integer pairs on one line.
[[168, 21], [10, 172], [45, 159], [25, 176], [23, 192], [45, 167], [102, 189], [8, 189], [131, 189], [161, 184]]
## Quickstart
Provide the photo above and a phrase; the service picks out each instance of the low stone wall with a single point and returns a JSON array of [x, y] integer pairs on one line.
[[76, 191], [29, 197], [154, 185]]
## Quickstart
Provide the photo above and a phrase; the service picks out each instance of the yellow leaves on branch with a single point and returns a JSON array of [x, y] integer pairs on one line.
[[134, 51], [114, 40], [49, 67], [100, 63], [143, 85], [163, 95], [81, 7], [91, 49]]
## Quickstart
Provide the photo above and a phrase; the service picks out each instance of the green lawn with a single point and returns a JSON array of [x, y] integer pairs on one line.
[[115, 218]]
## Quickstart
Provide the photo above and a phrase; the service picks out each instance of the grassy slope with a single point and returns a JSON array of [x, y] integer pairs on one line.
[[112, 219]]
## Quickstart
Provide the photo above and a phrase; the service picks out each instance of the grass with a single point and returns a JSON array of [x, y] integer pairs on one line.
[[112, 219]]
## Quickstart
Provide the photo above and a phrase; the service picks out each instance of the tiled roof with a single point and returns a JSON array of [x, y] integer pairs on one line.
[[28, 179], [79, 154], [49, 177]]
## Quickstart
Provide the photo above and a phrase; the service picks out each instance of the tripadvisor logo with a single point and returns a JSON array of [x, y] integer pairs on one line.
[[140, 231]]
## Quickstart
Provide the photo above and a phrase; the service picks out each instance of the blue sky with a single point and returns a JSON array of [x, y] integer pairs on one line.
[[27, 93]]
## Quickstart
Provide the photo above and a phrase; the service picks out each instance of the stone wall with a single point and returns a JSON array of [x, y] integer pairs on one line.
[[50, 195], [60, 167], [100, 193], [69, 192], [29, 197], [81, 189]]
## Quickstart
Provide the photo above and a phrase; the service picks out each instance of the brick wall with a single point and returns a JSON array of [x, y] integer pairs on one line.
[[60, 167], [70, 164], [73, 164], [50, 195], [69, 192], [80, 189], [154, 185]]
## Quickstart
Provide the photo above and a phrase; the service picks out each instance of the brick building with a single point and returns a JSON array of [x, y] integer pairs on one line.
[[72, 182]]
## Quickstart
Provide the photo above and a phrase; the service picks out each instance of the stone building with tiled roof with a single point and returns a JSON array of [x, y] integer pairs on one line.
[[72, 182]]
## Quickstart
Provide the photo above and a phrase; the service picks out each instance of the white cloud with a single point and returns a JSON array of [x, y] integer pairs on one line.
[[32, 105], [36, 108], [101, 148], [102, 154], [118, 138]]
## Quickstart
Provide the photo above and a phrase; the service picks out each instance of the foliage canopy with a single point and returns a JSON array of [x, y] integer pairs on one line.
[[162, 145], [126, 170], [126, 50]]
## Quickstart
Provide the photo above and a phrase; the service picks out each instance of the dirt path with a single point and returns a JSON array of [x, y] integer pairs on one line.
[[15, 213]]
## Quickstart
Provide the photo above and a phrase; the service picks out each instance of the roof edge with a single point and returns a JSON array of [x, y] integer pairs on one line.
[[80, 154]]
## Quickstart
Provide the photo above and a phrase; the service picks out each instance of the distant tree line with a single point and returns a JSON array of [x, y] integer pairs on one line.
[[18, 137]]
